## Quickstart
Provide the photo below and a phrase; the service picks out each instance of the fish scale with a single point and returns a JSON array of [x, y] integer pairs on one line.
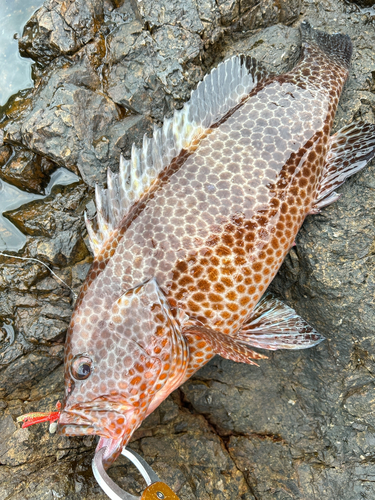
[[194, 227]]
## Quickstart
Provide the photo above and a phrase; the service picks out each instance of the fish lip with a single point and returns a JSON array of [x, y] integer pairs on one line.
[[72, 422], [76, 430], [80, 427]]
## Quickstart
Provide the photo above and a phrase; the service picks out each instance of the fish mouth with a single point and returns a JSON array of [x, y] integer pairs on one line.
[[74, 422]]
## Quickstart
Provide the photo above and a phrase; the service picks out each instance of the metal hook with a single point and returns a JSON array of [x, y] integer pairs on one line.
[[156, 490]]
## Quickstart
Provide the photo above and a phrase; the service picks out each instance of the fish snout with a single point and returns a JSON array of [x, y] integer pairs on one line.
[[108, 424]]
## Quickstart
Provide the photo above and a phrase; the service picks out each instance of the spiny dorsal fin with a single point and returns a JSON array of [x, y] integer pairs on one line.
[[218, 93]]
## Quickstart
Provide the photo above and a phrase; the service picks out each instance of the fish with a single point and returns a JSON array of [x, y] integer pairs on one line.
[[192, 229]]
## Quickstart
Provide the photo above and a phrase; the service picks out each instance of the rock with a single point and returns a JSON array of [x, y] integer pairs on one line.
[[5, 154], [364, 3], [60, 28], [75, 126], [27, 171], [60, 211], [301, 425], [56, 224]]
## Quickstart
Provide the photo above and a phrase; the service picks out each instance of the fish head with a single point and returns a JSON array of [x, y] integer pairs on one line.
[[117, 362]]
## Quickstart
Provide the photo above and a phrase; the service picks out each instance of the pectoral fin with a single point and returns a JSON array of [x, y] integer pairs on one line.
[[274, 325], [224, 345], [351, 148]]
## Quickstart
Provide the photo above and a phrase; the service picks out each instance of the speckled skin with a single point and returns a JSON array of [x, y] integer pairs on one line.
[[211, 233]]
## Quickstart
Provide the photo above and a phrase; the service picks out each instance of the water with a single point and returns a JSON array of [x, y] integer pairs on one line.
[[15, 75], [11, 197], [15, 71]]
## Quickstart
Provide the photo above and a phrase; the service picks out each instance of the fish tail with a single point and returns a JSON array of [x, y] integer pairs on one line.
[[337, 47]]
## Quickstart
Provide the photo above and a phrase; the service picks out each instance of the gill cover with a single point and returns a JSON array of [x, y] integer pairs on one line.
[[138, 352]]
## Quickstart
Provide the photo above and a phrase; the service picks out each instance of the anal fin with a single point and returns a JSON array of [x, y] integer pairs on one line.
[[274, 325], [351, 148]]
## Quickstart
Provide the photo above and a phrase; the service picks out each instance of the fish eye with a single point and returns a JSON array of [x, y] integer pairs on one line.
[[81, 368]]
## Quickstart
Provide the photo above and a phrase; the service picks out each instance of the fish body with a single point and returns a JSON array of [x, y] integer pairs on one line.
[[193, 229]]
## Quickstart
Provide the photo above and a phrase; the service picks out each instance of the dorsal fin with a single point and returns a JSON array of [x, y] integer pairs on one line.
[[218, 93]]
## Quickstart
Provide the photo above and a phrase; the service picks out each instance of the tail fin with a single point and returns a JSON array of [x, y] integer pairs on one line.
[[337, 47]]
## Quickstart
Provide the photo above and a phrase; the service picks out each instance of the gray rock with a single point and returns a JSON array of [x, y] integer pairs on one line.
[[26, 170], [60, 28], [364, 3]]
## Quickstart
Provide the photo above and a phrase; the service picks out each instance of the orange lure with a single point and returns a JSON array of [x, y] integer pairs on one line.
[[39, 417]]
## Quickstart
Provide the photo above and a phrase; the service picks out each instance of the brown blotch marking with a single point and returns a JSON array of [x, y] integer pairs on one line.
[[213, 297], [160, 317], [257, 266], [284, 208], [181, 294], [198, 297], [222, 250], [262, 221], [215, 261], [186, 280], [182, 266], [159, 331], [249, 225], [227, 281], [227, 239], [306, 171], [239, 234], [231, 295], [204, 285], [213, 274], [228, 269], [217, 307], [239, 260], [193, 306], [196, 271], [239, 251], [219, 287]]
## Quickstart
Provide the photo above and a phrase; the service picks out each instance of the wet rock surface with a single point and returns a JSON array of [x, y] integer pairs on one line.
[[301, 426], [25, 169]]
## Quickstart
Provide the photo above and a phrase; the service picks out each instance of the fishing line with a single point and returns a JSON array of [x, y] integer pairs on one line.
[[43, 264]]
